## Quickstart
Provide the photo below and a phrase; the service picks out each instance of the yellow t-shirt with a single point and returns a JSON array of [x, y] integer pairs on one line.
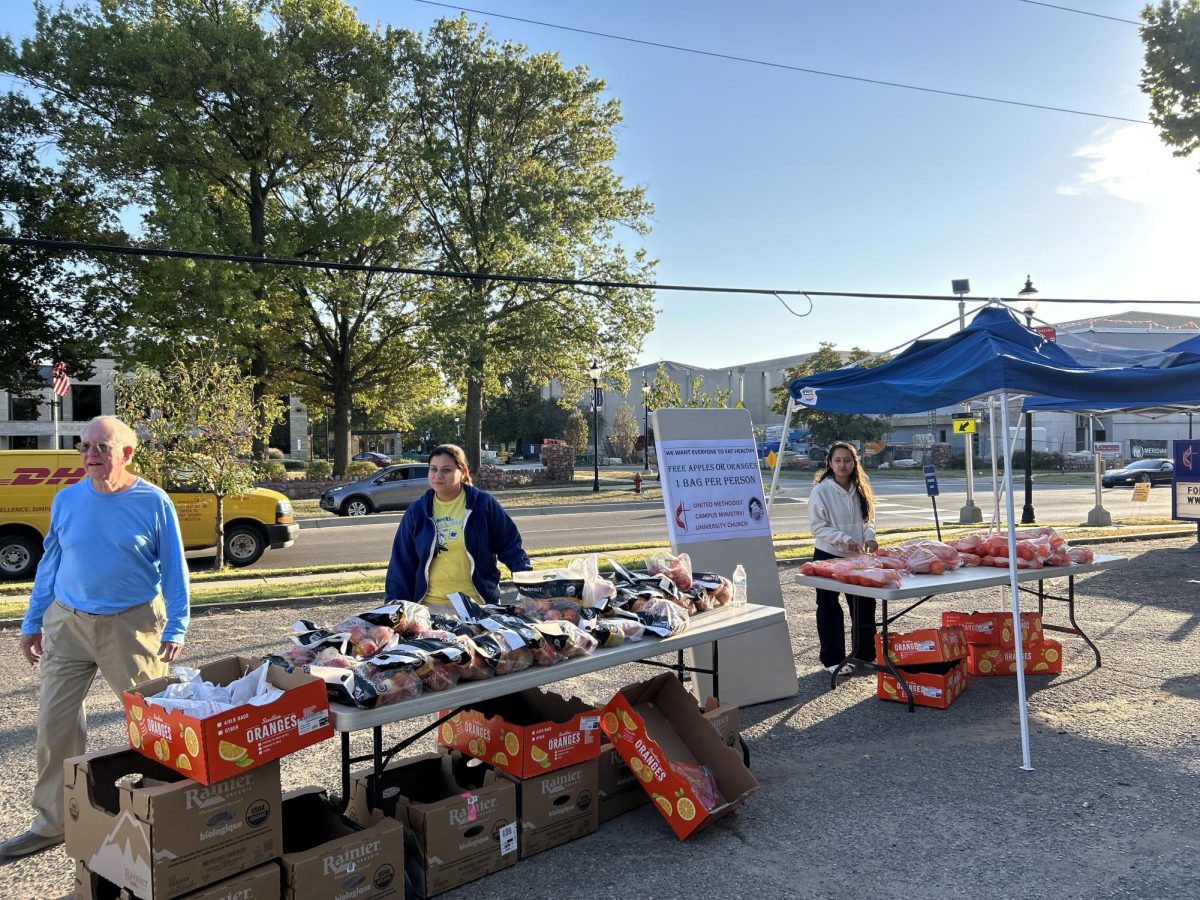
[[450, 570]]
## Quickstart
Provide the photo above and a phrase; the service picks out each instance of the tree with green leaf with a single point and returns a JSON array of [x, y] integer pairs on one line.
[[664, 393], [197, 422], [1171, 72], [54, 306], [825, 427], [578, 434], [625, 432], [204, 113], [701, 399], [510, 156]]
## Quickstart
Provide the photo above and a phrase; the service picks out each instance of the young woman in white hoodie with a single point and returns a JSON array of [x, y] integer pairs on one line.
[[841, 517]]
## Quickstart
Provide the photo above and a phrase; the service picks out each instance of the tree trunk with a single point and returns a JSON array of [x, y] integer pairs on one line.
[[257, 209], [474, 425], [219, 561], [342, 403]]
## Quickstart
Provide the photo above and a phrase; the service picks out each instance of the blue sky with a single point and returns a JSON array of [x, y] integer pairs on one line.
[[763, 177]]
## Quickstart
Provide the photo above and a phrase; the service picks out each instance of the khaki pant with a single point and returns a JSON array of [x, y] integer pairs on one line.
[[124, 647]]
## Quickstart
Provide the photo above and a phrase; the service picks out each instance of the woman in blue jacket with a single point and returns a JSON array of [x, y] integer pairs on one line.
[[450, 539]]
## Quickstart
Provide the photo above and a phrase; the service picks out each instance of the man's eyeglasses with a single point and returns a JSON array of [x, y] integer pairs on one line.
[[102, 449]]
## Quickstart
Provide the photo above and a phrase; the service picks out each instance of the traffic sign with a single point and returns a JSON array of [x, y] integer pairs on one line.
[[931, 485], [772, 459], [964, 426]]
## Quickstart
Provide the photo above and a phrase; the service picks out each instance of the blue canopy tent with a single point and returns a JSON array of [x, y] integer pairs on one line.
[[994, 355], [1183, 356]]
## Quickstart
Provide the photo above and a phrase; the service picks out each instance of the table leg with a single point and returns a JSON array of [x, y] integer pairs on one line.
[[716, 665], [345, 767], [377, 765], [887, 659], [680, 669], [1071, 618]]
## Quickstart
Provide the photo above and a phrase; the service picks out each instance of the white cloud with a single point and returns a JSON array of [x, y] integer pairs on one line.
[[1131, 163]]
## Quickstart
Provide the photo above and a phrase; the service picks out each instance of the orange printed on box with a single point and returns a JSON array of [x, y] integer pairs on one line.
[[1041, 658], [923, 646], [527, 733], [995, 629], [936, 685]]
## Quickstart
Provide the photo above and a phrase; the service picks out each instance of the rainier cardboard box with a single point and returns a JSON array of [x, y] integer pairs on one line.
[[326, 854], [994, 629], [656, 723], [618, 790], [1041, 658], [460, 821], [923, 646], [221, 746], [161, 835], [935, 684], [526, 733], [259, 883], [556, 807], [727, 719]]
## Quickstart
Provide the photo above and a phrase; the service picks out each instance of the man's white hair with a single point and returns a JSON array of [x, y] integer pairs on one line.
[[125, 435]]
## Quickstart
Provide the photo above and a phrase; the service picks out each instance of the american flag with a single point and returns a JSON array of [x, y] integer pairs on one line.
[[62, 381]]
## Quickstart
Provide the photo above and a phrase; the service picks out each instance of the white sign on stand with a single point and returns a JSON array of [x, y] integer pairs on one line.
[[755, 667], [712, 490]]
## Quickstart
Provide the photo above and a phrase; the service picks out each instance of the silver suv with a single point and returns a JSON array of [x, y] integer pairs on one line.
[[394, 487]]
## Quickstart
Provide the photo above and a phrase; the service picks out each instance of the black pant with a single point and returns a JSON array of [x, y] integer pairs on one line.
[[831, 623]]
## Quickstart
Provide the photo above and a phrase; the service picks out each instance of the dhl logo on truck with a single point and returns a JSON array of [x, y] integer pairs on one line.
[[28, 475]]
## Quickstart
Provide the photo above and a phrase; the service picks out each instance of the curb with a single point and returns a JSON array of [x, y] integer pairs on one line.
[[515, 512]]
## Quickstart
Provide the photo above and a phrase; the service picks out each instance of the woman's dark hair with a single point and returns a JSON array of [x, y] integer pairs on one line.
[[457, 454], [858, 479]]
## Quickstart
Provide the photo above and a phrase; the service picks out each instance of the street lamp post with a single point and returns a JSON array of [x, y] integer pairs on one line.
[[1029, 295], [646, 423], [595, 372]]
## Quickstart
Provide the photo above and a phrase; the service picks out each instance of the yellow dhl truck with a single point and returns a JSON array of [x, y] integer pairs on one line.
[[29, 479]]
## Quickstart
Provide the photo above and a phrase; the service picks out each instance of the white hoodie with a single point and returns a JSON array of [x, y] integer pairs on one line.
[[835, 518]]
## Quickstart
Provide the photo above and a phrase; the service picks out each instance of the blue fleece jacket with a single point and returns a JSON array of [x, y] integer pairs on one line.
[[489, 534]]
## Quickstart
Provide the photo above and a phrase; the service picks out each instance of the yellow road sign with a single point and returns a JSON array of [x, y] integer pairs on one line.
[[964, 426], [1141, 491], [772, 459]]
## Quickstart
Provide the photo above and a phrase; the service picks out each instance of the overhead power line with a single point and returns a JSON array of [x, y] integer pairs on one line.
[[164, 252], [776, 65], [1082, 12]]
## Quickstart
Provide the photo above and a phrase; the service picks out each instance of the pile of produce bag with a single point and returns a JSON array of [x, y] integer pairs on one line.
[[1035, 548]]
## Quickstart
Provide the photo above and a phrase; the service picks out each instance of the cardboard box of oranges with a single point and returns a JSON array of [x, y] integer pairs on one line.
[[228, 743], [679, 758], [994, 629], [1041, 658], [527, 733], [923, 646], [936, 685]]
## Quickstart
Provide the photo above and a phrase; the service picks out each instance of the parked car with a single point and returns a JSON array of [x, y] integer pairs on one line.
[[395, 487], [1154, 471], [380, 459]]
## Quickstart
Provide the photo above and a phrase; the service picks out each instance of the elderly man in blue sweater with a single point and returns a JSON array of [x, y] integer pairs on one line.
[[110, 595]]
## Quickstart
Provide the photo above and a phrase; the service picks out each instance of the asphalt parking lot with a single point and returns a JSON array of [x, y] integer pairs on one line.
[[858, 798]]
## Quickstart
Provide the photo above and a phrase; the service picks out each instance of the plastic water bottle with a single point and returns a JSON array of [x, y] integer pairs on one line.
[[739, 586]]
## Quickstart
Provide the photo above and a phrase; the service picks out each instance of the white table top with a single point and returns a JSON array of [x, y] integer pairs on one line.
[[702, 628], [964, 578]]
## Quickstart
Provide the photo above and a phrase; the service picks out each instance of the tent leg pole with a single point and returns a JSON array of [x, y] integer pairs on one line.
[[1022, 702], [995, 478], [787, 420]]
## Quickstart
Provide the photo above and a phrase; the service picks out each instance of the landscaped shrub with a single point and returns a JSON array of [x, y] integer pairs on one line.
[[319, 470]]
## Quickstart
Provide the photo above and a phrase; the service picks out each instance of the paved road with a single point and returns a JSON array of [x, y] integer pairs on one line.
[[901, 503]]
